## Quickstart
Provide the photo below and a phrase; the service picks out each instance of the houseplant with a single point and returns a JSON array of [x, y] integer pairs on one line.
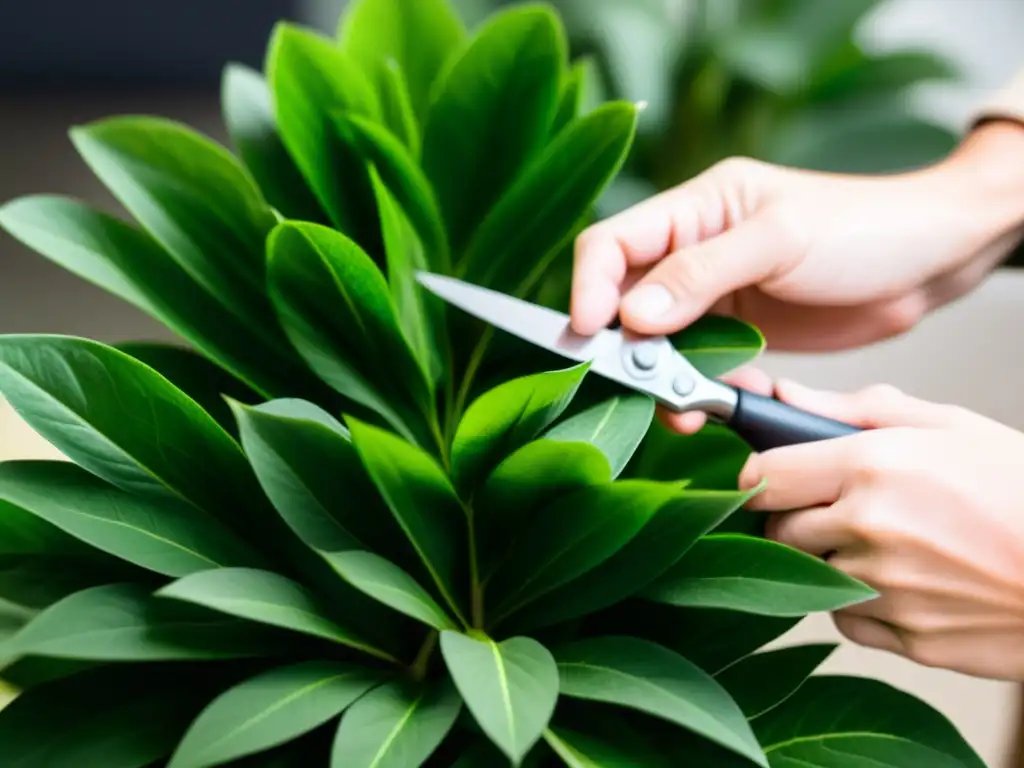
[[346, 526]]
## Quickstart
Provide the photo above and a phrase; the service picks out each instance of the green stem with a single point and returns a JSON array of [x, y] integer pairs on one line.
[[418, 670], [472, 368]]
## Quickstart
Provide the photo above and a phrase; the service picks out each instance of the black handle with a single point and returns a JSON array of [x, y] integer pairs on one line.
[[767, 423]]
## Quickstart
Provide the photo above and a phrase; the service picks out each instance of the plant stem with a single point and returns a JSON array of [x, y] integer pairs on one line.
[[418, 670], [475, 361]]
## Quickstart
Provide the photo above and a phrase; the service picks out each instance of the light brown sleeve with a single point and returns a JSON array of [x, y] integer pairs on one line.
[[1007, 103]]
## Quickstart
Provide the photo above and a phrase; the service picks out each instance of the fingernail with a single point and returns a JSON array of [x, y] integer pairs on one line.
[[648, 302]]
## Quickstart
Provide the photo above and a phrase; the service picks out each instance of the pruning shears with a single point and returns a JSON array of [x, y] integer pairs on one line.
[[647, 364]]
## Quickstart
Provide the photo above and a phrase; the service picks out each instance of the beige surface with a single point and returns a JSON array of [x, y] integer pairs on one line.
[[967, 354]]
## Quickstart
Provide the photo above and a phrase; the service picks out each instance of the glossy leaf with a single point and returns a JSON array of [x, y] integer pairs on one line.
[[398, 725], [538, 214], [745, 573], [764, 680], [122, 622], [75, 393], [194, 198], [421, 315], [422, 500], [716, 344], [265, 598], [600, 748], [860, 721], [248, 112], [505, 418], [641, 675], [510, 687], [271, 709], [396, 108], [571, 100], [131, 265], [311, 79], [390, 585], [117, 718], [420, 36], [168, 537], [710, 459], [335, 306], [616, 426], [397, 169], [492, 113], [677, 523]]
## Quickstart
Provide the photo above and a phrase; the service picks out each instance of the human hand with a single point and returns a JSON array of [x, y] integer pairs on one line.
[[926, 511]]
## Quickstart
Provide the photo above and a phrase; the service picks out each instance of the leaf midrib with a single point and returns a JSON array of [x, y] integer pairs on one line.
[[393, 735]]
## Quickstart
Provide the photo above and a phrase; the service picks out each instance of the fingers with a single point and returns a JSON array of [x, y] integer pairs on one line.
[[816, 531], [646, 233], [797, 477], [869, 632], [881, 405]]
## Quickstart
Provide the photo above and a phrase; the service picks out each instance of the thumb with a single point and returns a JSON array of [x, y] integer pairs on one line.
[[874, 407], [686, 283]]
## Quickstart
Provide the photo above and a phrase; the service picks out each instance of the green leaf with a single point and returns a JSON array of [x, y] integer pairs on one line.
[[745, 573], [641, 675], [388, 584], [599, 748], [75, 394], [504, 419], [764, 680], [265, 598], [678, 522], [616, 427], [122, 622], [248, 112], [335, 306], [398, 170], [716, 344], [422, 500], [398, 725], [311, 79], [533, 220], [710, 459], [890, 72], [271, 709], [194, 198], [570, 104], [114, 717], [533, 475], [571, 536], [199, 377], [852, 721], [510, 687], [168, 537], [492, 113], [421, 315], [131, 265], [420, 36], [396, 106]]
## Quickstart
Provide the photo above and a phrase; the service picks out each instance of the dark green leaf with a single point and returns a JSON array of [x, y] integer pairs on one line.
[[398, 725], [311, 79], [510, 687], [388, 584], [571, 102], [199, 377], [335, 306], [711, 459], [617, 427], [894, 72], [573, 535], [678, 522], [122, 622], [194, 198], [271, 709], [110, 717], [851, 721], [764, 680], [422, 500], [34, 671], [420, 36], [421, 315], [744, 573], [599, 748], [641, 675], [537, 215], [716, 344], [398, 170], [493, 112], [76, 393], [535, 474], [265, 598], [169, 537], [504, 419], [249, 118], [132, 266]]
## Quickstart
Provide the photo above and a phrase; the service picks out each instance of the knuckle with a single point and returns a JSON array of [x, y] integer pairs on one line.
[[685, 274]]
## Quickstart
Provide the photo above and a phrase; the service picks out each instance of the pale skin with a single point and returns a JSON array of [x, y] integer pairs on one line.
[[924, 506]]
